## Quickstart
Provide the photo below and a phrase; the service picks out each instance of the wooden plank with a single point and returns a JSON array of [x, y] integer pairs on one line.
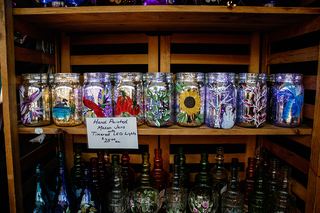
[[32, 157], [142, 139], [210, 59], [165, 51], [254, 66], [65, 54], [265, 50], [299, 190], [33, 56], [153, 144], [153, 54], [165, 146], [195, 38], [68, 148], [294, 56], [11, 141], [308, 111], [94, 39], [250, 149], [195, 158], [310, 82], [57, 53], [304, 140], [208, 139], [109, 59], [290, 157]]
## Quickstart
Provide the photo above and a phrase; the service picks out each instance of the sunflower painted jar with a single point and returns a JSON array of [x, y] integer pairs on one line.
[[35, 100], [128, 96], [190, 99], [251, 100], [220, 101], [288, 97], [97, 95], [159, 99], [67, 99]]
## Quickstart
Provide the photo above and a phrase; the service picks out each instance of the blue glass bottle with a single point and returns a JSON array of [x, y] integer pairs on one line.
[[87, 204]]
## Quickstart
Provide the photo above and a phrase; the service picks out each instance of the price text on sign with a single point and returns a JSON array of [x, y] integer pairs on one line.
[[112, 133]]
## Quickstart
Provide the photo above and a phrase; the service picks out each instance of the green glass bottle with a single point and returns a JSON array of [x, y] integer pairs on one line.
[[145, 178], [77, 172], [184, 171], [204, 178], [257, 198]]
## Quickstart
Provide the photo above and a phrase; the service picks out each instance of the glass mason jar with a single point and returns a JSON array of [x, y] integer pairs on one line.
[[288, 96], [97, 95], [270, 80], [220, 101], [35, 100], [128, 96], [190, 99], [159, 99], [251, 100], [67, 99]]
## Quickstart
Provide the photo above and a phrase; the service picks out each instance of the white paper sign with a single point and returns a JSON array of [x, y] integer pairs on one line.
[[112, 133]]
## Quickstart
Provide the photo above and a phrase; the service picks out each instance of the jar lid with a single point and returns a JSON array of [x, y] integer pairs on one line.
[[35, 76], [96, 76], [289, 77], [190, 76], [65, 77], [251, 77], [218, 76], [160, 76], [136, 76]]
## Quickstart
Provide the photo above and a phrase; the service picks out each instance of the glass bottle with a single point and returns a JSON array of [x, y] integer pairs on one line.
[[221, 97], [145, 178], [61, 158], [190, 98], [258, 156], [107, 162], [43, 197], [115, 161], [288, 100], [257, 198], [220, 175], [159, 174], [95, 190], [284, 200], [118, 197], [251, 100], [204, 199], [127, 172], [270, 80], [159, 99], [176, 196], [185, 173], [232, 200], [128, 96], [104, 180], [87, 204], [272, 182], [67, 99], [97, 95], [249, 183], [204, 178], [35, 100], [77, 172]]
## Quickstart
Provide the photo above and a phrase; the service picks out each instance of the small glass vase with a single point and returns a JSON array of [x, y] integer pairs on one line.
[[145, 199], [203, 199]]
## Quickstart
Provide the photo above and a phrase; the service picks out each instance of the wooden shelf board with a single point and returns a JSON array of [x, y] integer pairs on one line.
[[139, 18], [268, 129]]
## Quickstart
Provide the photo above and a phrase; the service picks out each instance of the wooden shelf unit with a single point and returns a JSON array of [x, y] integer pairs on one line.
[[160, 27]]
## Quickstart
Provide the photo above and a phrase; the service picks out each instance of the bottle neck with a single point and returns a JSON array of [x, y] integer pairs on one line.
[[204, 163], [176, 176], [233, 184]]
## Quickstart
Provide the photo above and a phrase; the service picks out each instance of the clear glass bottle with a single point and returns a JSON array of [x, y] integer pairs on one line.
[[184, 170], [87, 204], [159, 174], [176, 196], [251, 100], [258, 156], [190, 99], [77, 172], [97, 95], [221, 100], [272, 181], [257, 198], [203, 199], [128, 96], [118, 197], [204, 178], [159, 99], [35, 100], [104, 179], [67, 99], [249, 183], [288, 100], [95, 190], [127, 172], [232, 200]]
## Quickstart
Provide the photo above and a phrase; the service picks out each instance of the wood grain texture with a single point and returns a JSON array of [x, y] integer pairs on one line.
[[153, 54], [109, 59], [308, 111], [299, 190], [210, 59], [65, 54], [304, 140], [165, 146], [94, 39], [165, 53], [250, 149], [68, 148], [195, 158], [265, 50], [310, 82], [197, 38], [33, 56], [254, 66]]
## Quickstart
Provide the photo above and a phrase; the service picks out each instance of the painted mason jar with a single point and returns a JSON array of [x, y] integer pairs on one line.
[[251, 100], [190, 99], [35, 100], [97, 95], [159, 99], [288, 94], [270, 80], [220, 101], [67, 99], [128, 96]]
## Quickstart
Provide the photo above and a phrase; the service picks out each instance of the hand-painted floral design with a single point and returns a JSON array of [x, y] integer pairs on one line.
[[97, 108], [201, 205], [144, 201], [25, 106], [125, 107], [294, 98], [259, 103]]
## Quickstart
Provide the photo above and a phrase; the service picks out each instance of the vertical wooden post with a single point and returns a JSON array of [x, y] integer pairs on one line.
[[153, 53], [255, 53], [165, 57], [10, 119], [165, 146], [57, 52], [65, 54], [250, 148], [265, 50], [68, 146]]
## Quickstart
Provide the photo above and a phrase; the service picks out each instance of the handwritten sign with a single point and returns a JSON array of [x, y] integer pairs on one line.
[[112, 133]]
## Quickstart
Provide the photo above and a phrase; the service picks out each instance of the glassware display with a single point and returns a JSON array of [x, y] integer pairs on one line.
[[176, 196], [145, 178], [220, 175], [270, 80], [97, 95], [203, 199], [77, 172], [251, 100], [127, 172], [159, 174], [95, 190], [248, 184], [159, 99], [258, 156], [35, 100], [257, 198], [272, 180], [232, 199], [184, 170], [87, 204], [190, 99], [103, 178], [288, 98], [128, 96], [204, 178], [118, 197], [221, 99], [67, 99]]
